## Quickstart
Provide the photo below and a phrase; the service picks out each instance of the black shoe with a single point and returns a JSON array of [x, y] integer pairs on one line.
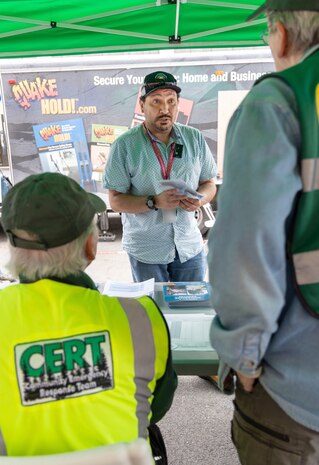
[[212, 379], [228, 385]]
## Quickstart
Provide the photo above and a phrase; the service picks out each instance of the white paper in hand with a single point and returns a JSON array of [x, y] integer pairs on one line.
[[182, 188]]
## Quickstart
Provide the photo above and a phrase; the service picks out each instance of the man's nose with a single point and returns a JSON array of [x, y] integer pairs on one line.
[[164, 108]]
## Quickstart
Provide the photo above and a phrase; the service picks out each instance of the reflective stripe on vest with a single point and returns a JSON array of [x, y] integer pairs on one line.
[[140, 325], [306, 264], [3, 449], [307, 267], [310, 174]]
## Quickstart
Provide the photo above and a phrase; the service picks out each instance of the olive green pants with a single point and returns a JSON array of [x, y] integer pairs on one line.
[[264, 434]]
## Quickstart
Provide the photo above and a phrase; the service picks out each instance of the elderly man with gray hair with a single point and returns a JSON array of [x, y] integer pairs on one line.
[[78, 369], [264, 267]]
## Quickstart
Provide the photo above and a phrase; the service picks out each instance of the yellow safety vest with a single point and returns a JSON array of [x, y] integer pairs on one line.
[[78, 368]]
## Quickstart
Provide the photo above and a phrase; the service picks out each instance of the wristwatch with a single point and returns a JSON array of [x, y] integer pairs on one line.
[[150, 202]]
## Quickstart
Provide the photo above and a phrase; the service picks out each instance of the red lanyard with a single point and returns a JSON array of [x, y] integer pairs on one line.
[[166, 171]]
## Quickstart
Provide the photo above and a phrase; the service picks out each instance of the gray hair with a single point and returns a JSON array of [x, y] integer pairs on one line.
[[302, 27], [58, 262]]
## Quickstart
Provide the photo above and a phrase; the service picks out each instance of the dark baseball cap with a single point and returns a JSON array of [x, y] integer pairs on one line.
[[285, 5], [159, 80], [51, 205]]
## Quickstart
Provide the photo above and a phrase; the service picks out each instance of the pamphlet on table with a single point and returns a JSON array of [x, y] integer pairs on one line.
[[187, 294], [133, 290]]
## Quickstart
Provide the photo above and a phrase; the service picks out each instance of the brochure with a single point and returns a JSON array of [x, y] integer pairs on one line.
[[182, 188], [187, 294]]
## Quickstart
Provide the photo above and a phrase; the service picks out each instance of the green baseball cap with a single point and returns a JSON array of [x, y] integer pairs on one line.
[[51, 205], [159, 80], [285, 5]]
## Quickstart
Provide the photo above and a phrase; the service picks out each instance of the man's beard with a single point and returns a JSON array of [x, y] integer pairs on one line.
[[167, 125]]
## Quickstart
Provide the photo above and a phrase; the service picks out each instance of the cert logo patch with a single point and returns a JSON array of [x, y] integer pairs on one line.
[[57, 369]]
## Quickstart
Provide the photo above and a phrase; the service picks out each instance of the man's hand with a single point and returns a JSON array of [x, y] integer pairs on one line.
[[189, 204], [247, 383], [169, 199]]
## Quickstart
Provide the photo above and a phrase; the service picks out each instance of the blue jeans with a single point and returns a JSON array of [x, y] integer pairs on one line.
[[193, 269]]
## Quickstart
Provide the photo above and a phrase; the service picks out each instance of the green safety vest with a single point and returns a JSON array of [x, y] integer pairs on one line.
[[303, 245], [78, 368]]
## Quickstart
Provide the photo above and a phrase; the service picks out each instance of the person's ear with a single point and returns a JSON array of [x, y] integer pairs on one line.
[[282, 35], [142, 105], [90, 248]]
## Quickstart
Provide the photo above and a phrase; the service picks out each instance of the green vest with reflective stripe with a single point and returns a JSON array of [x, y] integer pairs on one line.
[[304, 247], [78, 369]]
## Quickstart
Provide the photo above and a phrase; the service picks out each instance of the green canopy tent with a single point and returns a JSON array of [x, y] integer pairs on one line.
[[31, 28]]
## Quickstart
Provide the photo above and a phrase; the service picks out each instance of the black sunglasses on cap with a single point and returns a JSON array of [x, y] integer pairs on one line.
[[151, 86]]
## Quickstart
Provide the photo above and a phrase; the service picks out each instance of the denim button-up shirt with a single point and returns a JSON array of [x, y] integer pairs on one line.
[[260, 319]]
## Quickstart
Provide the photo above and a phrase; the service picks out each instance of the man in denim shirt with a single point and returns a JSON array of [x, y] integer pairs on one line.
[[262, 331], [160, 233]]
